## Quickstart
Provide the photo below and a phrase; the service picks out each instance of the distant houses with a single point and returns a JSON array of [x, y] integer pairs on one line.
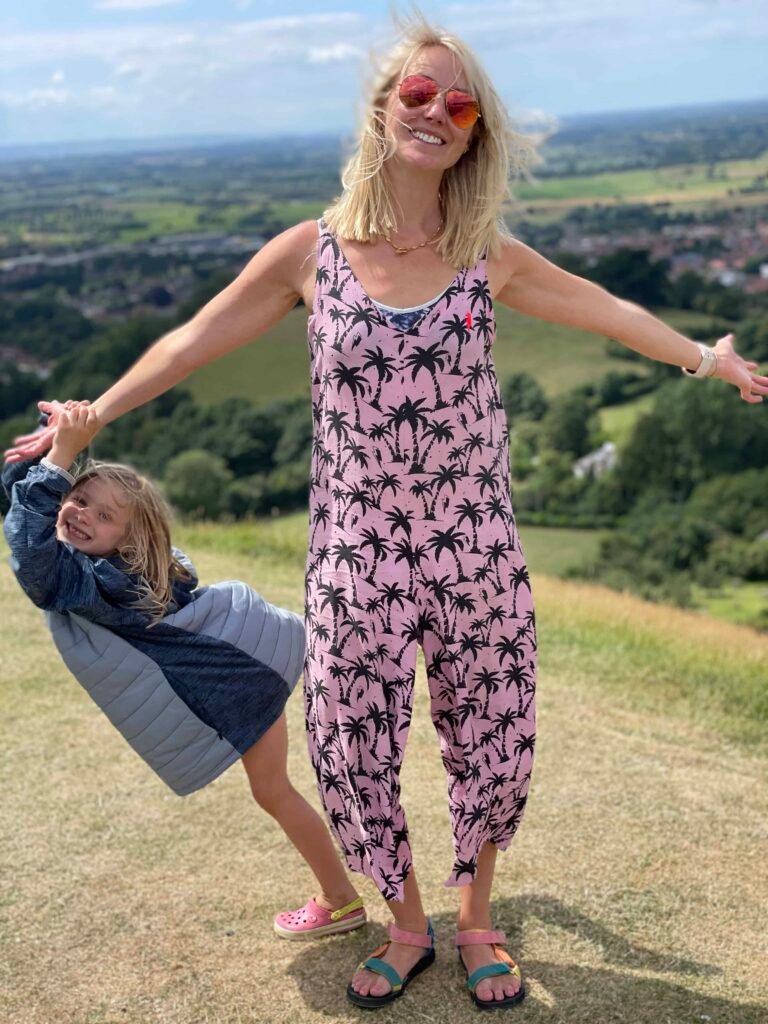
[[597, 462]]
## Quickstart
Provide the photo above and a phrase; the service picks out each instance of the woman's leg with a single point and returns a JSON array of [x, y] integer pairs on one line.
[[408, 915], [475, 914], [266, 766]]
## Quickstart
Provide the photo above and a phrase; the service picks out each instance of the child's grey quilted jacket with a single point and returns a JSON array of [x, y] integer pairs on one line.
[[190, 694]]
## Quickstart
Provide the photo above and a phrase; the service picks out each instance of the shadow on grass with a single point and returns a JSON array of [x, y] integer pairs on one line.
[[616, 949], [561, 991]]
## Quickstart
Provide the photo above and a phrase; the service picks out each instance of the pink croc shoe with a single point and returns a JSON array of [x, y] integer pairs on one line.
[[313, 921]]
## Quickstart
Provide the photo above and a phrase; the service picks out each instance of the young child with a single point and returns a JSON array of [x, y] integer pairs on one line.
[[195, 678]]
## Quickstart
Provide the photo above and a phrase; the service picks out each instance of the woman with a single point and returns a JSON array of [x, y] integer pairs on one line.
[[412, 537]]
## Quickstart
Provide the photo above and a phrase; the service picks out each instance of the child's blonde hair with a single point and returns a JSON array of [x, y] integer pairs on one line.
[[146, 547], [472, 192]]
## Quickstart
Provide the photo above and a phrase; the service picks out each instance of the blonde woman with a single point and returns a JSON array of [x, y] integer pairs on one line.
[[412, 535]]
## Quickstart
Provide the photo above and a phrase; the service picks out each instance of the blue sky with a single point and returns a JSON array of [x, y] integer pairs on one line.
[[95, 69]]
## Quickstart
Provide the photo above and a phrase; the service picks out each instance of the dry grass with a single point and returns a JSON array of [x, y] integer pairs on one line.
[[635, 891]]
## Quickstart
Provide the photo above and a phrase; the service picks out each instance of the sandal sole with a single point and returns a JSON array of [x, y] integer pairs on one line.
[[499, 1004]]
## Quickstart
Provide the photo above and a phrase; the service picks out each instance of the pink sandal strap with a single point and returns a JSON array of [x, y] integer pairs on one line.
[[424, 940], [475, 937]]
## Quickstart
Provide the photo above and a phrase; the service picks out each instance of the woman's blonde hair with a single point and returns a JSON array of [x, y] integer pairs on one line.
[[472, 192], [146, 547]]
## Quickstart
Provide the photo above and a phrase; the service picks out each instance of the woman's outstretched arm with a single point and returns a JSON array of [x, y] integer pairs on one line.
[[265, 291], [536, 287]]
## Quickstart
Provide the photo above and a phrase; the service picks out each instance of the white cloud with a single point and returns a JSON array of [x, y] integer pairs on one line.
[[34, 99], [134, 5], [336, 53], [57, 76]]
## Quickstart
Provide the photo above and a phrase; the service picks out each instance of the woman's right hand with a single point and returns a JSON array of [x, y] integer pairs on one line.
[[30, 446]]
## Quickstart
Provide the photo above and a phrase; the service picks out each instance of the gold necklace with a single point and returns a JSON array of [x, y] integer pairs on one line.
[[402, 249]]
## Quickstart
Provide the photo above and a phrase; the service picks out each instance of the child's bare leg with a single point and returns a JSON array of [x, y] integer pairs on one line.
[[266, 764]]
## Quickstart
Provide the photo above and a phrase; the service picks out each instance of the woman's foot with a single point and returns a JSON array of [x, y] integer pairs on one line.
[[489, 989], [402, 958], [406, 958]]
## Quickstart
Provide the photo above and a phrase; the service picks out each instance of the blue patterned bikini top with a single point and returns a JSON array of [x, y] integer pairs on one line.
[[404, 318]]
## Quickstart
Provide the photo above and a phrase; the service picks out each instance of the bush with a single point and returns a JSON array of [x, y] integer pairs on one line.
[[523, 398], [196, 482], [734, 556]]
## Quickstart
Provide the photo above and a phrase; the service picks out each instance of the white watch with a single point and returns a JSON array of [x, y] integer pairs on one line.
[[708, 364]]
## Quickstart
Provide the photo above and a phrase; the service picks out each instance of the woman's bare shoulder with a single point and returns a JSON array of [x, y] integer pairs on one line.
[[511, 258]]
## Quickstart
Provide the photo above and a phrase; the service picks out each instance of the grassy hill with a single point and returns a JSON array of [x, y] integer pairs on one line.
[[632, 893]]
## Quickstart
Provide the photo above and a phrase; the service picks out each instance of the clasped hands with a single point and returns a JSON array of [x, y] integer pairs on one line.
[[71, 424]]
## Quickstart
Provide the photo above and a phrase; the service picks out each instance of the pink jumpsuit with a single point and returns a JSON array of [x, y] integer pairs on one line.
[[413, 541]]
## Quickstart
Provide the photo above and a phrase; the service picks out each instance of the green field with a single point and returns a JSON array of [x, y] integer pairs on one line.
[[618, 421], [684, 182], [744, 604]]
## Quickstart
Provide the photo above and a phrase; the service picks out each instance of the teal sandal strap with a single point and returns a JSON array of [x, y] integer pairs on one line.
[[373, 963], [488, 971]]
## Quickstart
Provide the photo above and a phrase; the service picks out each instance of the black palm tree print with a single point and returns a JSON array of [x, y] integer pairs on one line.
[[413, 543]]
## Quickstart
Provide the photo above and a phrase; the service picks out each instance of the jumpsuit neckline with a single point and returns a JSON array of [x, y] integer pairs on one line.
[[371, 303]]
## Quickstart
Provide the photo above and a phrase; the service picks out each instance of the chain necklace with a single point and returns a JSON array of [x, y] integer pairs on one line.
[[402, 249]]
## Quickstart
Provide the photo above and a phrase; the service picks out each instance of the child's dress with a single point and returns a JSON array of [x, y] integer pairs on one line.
[[190, 694]]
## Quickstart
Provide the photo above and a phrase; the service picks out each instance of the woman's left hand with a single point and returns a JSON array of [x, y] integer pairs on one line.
[[737, 371]]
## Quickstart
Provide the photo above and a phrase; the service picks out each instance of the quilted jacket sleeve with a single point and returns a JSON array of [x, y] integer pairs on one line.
[[54, 575]]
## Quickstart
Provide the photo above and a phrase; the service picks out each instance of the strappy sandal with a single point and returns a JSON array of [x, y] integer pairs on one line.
[[378, 966], [504, 965]]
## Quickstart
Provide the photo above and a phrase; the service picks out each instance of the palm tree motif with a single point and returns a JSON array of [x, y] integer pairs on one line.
[[379, 548], [412, 541], [470, 510], [357, 454], [451, 540], [337, 319], [399, 519], [356, 728], [412, 554], [393, 594], [496, 509], [480, 293], [487, 680], [457, 326], [421, 489], [414, 415], [360, 314], [523, 745], [440, 589], [484, 326], [354, 379], [382, 432], [520, 578], [377, 716], [519, 676], [474, 378], [319, 515], [436, 430], [335, 600], [388, 482], [336, 422], [357, 628], [485, 477], [384, 367], [447, 476], [504, 720], [430, 359]]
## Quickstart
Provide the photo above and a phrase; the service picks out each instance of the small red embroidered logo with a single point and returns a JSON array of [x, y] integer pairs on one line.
[[468, 320]]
